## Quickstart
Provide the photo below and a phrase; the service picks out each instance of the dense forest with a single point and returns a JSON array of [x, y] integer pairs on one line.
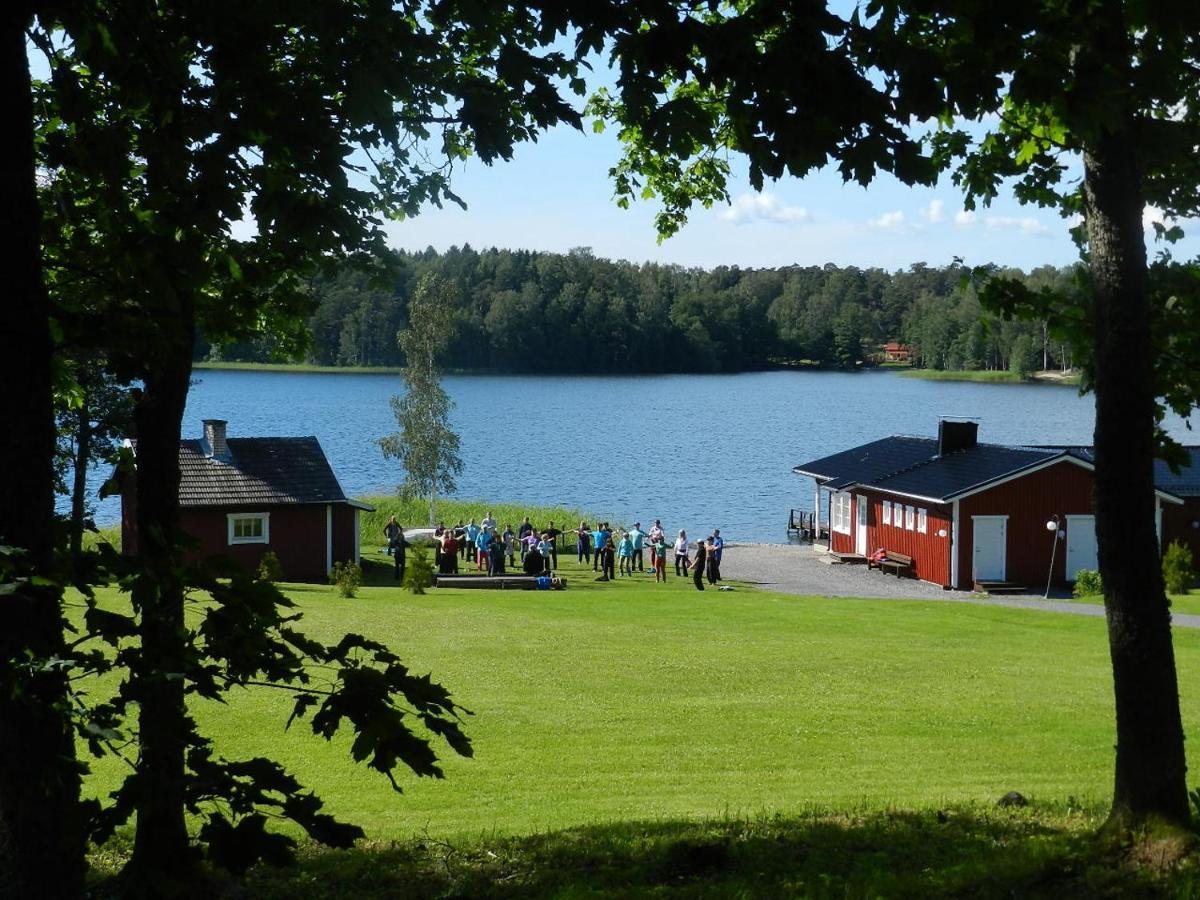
[[522, 311]]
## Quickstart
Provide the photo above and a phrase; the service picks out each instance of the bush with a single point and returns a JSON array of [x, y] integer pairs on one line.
[[1087, 584], [348, 577], [419, 572], [269, 568], [1179, 571]]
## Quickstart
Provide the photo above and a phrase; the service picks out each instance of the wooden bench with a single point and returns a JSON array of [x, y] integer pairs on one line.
[[893, 561]]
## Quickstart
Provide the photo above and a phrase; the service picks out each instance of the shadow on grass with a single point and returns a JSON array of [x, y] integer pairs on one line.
[[882, 854]]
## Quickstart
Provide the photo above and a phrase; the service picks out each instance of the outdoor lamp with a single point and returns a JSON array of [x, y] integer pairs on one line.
[[1055, 528]]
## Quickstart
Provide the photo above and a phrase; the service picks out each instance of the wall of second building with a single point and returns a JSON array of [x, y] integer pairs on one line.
[[1177, 525], [344, 521], [1030, 501], [297, 535], [930, 551]]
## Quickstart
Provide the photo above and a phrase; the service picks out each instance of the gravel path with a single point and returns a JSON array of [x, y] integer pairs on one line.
[[798, 569]]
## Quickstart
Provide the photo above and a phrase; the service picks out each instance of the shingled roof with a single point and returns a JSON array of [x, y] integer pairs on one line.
[[257, 471]]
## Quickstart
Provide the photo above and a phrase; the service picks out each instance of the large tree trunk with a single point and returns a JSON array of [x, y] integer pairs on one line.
[[162, 860], [41, 831], [1150, 767]]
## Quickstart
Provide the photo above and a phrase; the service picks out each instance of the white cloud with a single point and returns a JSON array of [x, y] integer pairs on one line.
[[894, 219], [935, 212], [964, 217], [1026, 224], [1152, 216], [764, 207]]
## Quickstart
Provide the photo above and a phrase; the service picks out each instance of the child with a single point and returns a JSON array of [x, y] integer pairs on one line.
[[625, 551], [583, 544], [658, 556], [606, 561], [546, 548]]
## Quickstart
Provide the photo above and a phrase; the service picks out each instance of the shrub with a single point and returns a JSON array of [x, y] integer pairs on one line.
[[348, 577], [1087, 583], [419, 573], [269, 568], [1178, 567]]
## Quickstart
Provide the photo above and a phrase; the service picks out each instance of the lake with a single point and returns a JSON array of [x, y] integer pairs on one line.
[[697, 451]]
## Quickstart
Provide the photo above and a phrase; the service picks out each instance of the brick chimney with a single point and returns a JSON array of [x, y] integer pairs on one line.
[[214, 439], [954, 436]]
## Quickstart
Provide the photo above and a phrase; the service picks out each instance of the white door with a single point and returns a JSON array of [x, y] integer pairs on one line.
[[1081, 545], [860, 533], [991, 534]]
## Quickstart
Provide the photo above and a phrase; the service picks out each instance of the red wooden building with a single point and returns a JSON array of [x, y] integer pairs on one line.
[[241, 497], [967, 513], [1181, 522]]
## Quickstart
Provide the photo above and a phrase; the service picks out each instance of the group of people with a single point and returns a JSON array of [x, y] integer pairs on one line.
[[489, 548], [600, 546]]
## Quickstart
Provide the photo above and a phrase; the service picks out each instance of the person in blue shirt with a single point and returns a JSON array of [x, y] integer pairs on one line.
[[625, 552], [483, 542], [598, 543], [472, 531], [638, 537], [545, 547]]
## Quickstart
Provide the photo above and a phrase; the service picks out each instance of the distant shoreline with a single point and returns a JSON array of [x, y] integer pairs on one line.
[[992, 376]]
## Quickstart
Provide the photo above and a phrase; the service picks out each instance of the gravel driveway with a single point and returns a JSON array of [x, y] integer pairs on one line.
[[799, 569]]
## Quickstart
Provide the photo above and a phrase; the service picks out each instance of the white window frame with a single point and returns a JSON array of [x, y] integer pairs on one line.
[[910, 517], [265, 518], [922, 521], [841, 515], [887, 512]]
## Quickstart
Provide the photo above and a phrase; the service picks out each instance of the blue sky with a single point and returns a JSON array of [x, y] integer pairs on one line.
[[556, 195]]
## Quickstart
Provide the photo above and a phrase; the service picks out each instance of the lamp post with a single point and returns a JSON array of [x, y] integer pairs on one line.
[[1054, 527]]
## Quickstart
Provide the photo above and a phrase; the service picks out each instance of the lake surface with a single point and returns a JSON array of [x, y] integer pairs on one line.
[[697, 451]]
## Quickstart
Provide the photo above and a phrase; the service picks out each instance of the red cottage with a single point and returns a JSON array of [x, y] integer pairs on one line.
[[968, 514], [241, 497], [1181, 522]]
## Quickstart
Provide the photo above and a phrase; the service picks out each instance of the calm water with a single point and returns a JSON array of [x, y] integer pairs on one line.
[[696, 451]]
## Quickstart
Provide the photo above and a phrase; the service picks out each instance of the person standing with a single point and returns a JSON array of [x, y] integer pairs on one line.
[[658, 557], [399, 552], [472, 534], [496, 555], [483, 544], [553, 533], [698, 566], [681, 554], [638, 538], [625, 552], [545, 547], [597, 545], [489, 521], [510, 544], [656, 534], [710, 558], [583, 544], [718, 543], [606, 562], [390, 530]]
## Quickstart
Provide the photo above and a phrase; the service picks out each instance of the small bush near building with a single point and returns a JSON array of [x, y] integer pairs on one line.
[[1179, 571], [1087, 583], [419, 573], [269, 568], [348, 578]]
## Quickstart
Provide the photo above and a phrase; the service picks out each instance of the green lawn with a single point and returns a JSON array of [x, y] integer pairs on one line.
[[1185, 604], [631, 701]]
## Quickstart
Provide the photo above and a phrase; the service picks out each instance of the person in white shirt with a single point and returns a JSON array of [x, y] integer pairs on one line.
[[681, 554]]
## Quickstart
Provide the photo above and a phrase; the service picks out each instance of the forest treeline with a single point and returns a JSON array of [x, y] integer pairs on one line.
[[525, 311]]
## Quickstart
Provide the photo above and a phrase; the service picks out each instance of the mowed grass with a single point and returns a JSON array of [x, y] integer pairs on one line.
[[631, 701]]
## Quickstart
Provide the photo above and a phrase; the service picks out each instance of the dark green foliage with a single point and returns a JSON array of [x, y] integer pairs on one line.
[[1179, 570], [418, 574], [1088, 583], [520, 311], [269, 568], [347, 576], [247, 638]]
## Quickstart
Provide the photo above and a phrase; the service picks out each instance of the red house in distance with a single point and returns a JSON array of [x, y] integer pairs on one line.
[[976, 515], [241, 497]]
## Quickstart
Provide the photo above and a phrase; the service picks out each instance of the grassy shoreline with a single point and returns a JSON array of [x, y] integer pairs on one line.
[[991, 376], [295, 368]]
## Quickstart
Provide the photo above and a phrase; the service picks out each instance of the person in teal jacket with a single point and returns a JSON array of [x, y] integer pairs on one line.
[[638, 537], [625, 554]]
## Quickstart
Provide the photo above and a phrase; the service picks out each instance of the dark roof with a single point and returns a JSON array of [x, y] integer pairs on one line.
[[258, 471], [910, 465]]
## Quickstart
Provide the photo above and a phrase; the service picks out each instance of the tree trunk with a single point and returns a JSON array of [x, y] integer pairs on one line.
[[162, 859], [1150, 765], [83, 458], [41, 828]]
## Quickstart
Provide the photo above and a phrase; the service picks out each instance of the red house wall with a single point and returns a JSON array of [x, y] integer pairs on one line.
[[1063, 489], [930, 553], [297, 537], [1177, 525], [343, 533]]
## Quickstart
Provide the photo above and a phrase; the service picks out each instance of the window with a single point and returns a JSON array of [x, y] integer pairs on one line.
[[910, 514], [841, 513], [249, 528], [921, 522], [887, 512]]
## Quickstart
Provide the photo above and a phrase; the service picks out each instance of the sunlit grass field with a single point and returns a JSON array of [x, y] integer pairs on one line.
[[633, 701]]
